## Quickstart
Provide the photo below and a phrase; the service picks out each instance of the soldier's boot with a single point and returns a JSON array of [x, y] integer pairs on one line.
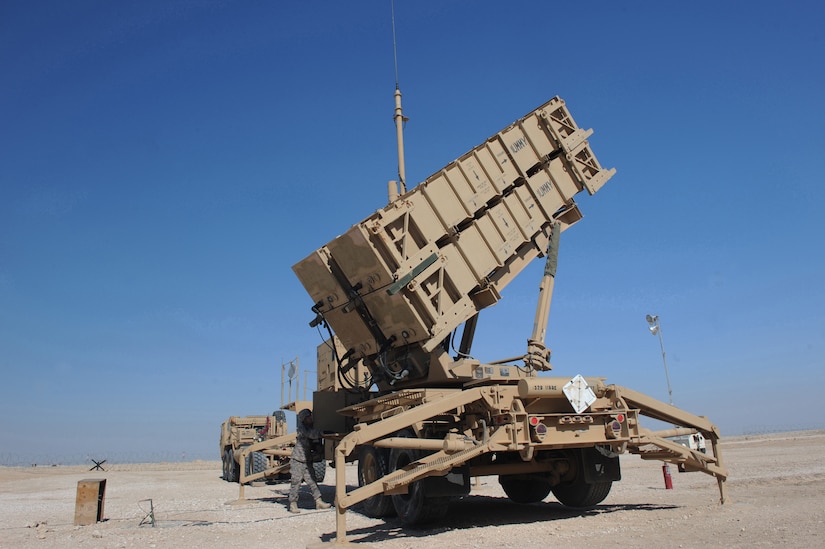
[[293, 507], [321, 504]]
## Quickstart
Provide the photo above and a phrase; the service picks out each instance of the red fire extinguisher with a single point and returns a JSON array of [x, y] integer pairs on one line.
[[668, 478]]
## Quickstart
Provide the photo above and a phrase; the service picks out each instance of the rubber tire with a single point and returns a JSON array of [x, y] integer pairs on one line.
[[414, 508], [524, 489], [225, 465], [580, 495], [372, 465], [318, 471], [233, 469], [257, 463]]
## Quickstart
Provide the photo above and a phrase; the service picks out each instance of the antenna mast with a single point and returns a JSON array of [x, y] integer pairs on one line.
[[399, 123]]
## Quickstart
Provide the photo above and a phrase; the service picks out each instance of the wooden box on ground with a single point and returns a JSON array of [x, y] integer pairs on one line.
[[89, 505]]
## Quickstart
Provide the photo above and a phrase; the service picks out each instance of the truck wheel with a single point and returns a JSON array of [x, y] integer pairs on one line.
[[227, 465], [372, 465], [524, 489], [233, 469], [319, 470], [415, 507], [580, 495]]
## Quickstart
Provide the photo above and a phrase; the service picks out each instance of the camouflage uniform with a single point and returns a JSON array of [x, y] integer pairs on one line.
[[300, 463]]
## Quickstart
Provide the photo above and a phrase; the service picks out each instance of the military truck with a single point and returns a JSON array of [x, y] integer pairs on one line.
[[254, 447], [400, 294], [259, 447]]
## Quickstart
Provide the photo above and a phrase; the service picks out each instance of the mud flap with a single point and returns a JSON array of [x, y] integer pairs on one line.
[[598, 467], [455, 483]]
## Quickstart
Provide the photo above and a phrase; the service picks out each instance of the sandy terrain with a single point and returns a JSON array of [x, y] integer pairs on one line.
[[776, 491]]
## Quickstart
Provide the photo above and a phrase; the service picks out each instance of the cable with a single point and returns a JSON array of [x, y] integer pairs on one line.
[[349, 384]]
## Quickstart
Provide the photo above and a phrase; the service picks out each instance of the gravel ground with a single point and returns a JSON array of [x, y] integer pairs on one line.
[[776, 497]]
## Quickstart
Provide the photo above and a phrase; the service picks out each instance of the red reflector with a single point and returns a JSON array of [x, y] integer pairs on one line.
[[620, 418], [534, 421]]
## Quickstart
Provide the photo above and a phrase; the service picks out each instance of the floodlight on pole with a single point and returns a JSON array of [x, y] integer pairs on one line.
[[656, 329]]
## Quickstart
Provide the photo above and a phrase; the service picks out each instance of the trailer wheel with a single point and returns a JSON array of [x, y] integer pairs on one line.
[[580, 495], [524, 489], [415, 507], [372, 465]]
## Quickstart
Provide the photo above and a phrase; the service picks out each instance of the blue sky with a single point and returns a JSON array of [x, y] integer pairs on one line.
[[164, 164]]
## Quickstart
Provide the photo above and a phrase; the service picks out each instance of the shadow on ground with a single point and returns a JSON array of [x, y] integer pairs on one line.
[[479, 511]]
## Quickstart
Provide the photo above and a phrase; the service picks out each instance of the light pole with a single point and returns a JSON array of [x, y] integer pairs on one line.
[[656, 328]]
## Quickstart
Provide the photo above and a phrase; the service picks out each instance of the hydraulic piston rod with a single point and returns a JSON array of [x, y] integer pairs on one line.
[[538, 356]]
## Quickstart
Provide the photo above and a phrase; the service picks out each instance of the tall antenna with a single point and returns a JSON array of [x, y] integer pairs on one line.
[[394, 43], [399, 122]]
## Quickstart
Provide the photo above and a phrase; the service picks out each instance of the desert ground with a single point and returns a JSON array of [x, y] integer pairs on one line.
[[776, 493]]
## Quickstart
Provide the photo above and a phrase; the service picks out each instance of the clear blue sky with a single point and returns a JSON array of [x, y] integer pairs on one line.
[[164, 164]]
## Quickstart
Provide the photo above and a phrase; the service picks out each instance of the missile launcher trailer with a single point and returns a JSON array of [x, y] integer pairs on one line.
[[421, 418]]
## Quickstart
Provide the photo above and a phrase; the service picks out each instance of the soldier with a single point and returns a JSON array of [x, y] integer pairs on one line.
[[300, 464]]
